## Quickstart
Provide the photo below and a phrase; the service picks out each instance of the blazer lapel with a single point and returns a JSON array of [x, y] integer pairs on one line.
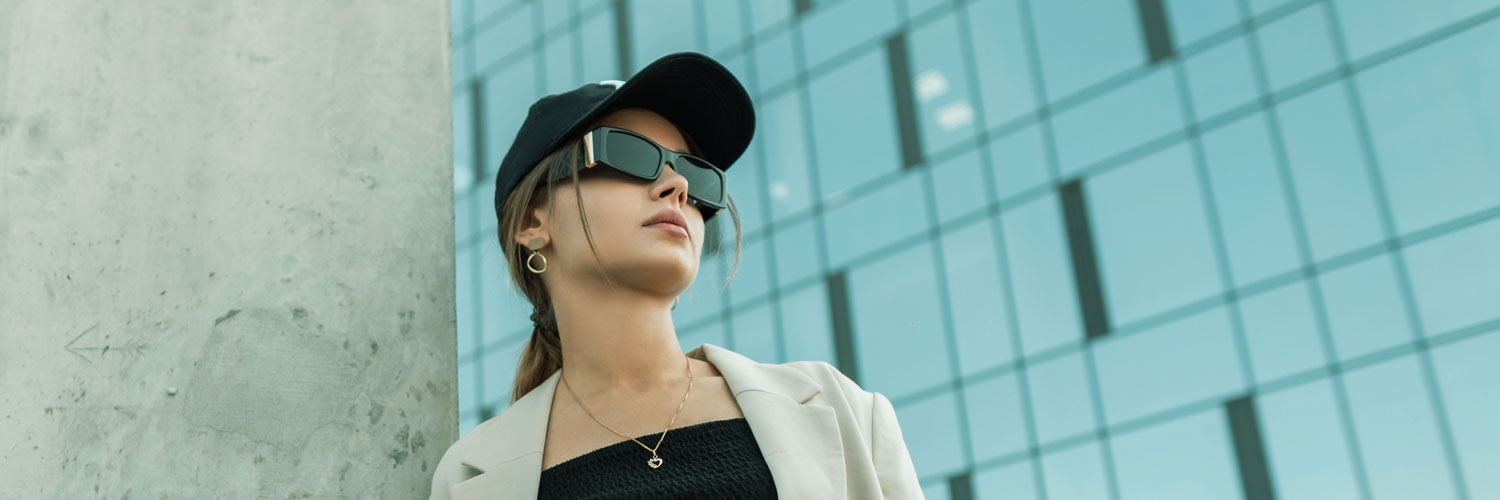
[[800, 441]]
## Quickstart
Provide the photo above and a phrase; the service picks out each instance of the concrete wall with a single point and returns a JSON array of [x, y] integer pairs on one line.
[[226, 248]]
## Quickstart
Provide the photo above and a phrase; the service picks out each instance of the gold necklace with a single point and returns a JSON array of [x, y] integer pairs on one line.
[[654, 461]]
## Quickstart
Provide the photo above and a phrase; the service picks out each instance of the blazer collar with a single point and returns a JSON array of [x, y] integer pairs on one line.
[[799, 440]]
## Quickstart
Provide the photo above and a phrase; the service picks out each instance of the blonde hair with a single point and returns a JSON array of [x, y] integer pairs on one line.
[[543, 354]]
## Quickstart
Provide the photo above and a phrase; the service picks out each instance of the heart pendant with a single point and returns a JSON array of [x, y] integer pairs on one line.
[[654, 462]]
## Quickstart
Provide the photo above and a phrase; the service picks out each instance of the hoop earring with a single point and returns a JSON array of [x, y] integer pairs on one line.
[[536, 247], [674, 304]]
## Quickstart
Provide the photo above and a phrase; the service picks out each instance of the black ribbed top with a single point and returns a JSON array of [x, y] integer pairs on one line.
[[713, 459]]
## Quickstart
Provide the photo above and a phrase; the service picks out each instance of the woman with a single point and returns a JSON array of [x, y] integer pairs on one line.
[[602, 252]]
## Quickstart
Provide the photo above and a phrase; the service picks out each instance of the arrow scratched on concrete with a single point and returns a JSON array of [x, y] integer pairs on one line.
[[132, 346]]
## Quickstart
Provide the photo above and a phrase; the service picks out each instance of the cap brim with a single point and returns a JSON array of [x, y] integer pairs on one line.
[[698, 95]]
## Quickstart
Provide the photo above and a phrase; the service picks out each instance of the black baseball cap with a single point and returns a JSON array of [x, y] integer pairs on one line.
[[696, 93]]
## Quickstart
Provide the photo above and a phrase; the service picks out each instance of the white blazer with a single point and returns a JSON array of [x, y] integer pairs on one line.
[[822, 436]]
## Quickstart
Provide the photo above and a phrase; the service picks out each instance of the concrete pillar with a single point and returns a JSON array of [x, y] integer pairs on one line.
[[226, 248]]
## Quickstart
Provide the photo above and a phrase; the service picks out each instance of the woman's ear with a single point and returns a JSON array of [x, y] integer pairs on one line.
[[534, 228]]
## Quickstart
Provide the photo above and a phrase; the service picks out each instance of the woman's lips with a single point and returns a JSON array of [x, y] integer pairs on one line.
[[669, 227]]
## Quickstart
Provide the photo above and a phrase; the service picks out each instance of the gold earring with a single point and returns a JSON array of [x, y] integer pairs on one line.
[[536, 245]]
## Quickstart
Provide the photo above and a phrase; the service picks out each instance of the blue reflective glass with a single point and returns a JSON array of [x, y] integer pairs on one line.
[[723, 24], [1075, 473], [1188, 360], [1117, 121], [1084, 42], [781, 132], [496, 41], [876, 219], [1456, 278], [1015, 481], [1370, 26], [1297, 47], [959, 186], [744, 181], [1281, 332], [1155, 248], [1433, 117], [932, 434], [1221, 78], [797, 252], [829, 33], [1328, 172], [999, 44], [1036, 254], [1363, 302], [1250, 201], [996, 414], [504, 311], [854, 124], [510, 93], [898, 322], [1188, 458], [975, 298], [463, 144], [464, 299], [767, 14], [774, 64], [560, 73], [946, 115], [711, 332], [661, 27], [754, 277], [808, 331], [754, 333], [499, 370], [1018, 162], [1466, 371], [1192, 20], [468, 389], [599, 45], [1305, 445], [1397, 431], [1061, 404]]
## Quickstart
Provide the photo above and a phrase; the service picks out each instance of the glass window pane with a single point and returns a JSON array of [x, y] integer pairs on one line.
[[1192, 20], [555, 13], [959, 184], [1466, 373], [1189, 458], [980, 315], [788, 178], [1083, 42], [1186, 361], [468, 390], [1117, 121], [1364, 307], [876, 219], [808, 329], [508, 95], [723, 23], [797, 252], [940, 80], [1333, 191], [560, 71], [1000, 49], [1155, 250], [1281, 331], [504, 311], [767, 14], [1373, 25], [496, 41], [1221, 78], [754, 332], [1433, 122], [829, 33], [774, 64], [1042, 274], [997, 424], [711, 332], [465, 272], [600, 53], [467, 421], [1019, 162], [661, 27], [1297, 47], [1305, 444], [500, 363], [754, 277], [1060, 400], [1014, 481], [931, 431], [1249, 198], [1456, 278], [1076, 473], [463, 144], [854, 123], [897, 322], [703, 299], [1397, 431], [744, 181]]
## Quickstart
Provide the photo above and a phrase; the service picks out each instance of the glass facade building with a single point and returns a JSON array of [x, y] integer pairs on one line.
[[1104, 249]]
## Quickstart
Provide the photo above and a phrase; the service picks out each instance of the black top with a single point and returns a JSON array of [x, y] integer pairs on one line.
[[713, 459]]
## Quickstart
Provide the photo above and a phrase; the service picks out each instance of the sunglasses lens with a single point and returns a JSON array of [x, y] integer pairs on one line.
[[633, 155], [704, 181]]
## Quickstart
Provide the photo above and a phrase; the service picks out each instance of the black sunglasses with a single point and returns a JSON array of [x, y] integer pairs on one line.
[[643, 158]]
